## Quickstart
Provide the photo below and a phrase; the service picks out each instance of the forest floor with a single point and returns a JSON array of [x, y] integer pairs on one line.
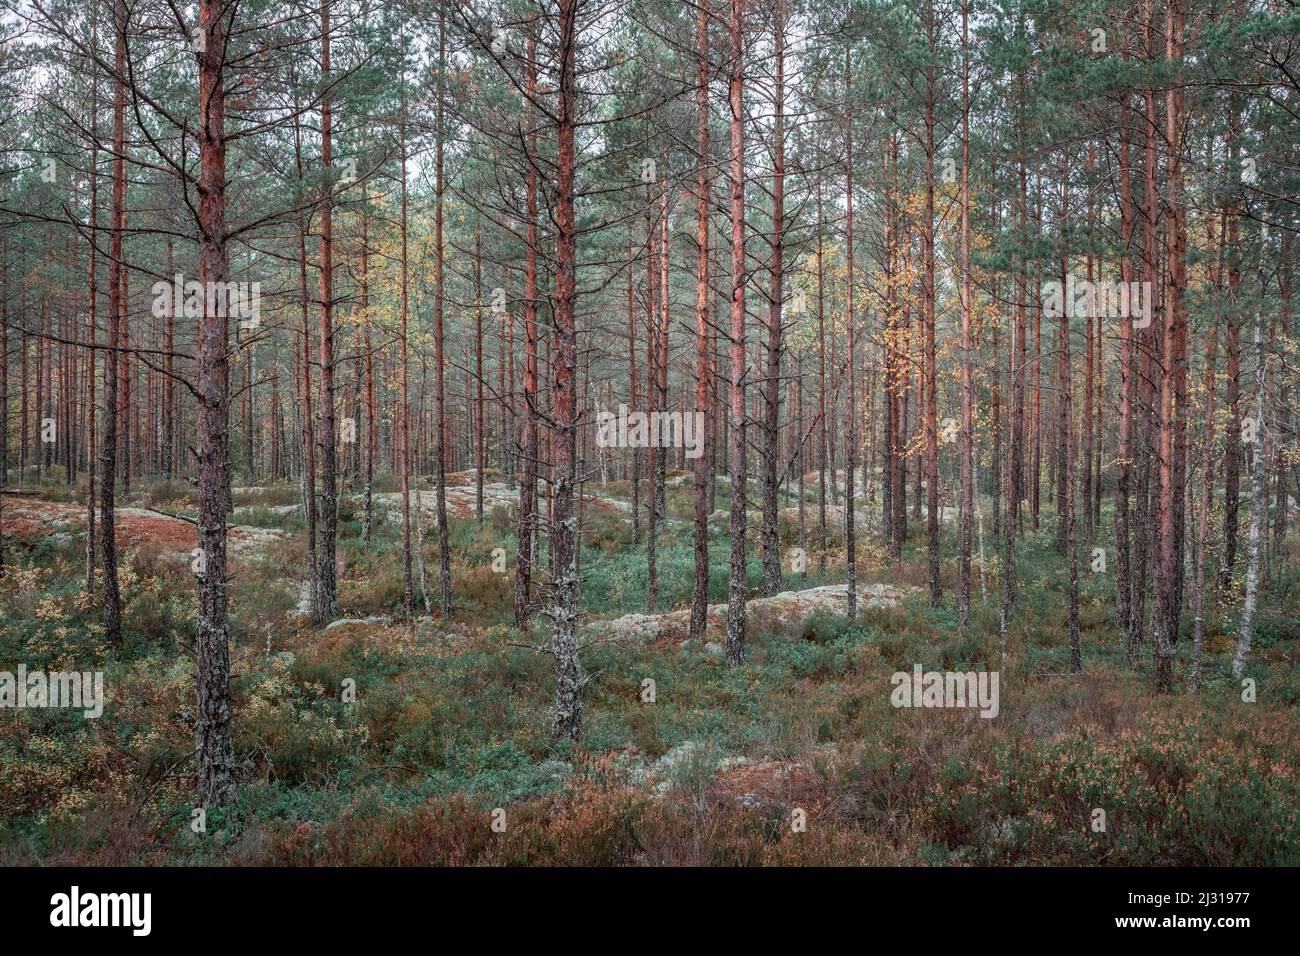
[[683, 758], [28, 520]]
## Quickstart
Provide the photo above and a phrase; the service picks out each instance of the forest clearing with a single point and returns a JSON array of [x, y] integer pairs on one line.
[[606, 433]]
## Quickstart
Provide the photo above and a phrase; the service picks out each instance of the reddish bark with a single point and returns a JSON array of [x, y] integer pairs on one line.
[[928, 318], [771, 545], [1165, 614], [1124, 456], [703, 390], [439, 345], [326, 575], [528, 491], [967, 345], [736, 592], [108, 455], [404, 411], [564, 577], [851, 404]]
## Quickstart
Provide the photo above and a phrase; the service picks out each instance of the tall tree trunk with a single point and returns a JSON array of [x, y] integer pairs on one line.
[[108, 456], [275, 422], [1150, 272], [823, 426], [124, 431], [633, 393], [564, 572], [661, 503], [1065, 506], [967, 387], [1066, 469], [1258, 500], [404, 410], [1035, 490], [771, 548], [528, 491], [1286, 422], [930, 379], [931, 406], [736, 594], [889, 361], [23, 386], [1018, 353], [900, 361], [1124, 463], [372, 428], [1232, 427], [1165, 614], [703, 390], [480, 436], [92, 299], [216, 785], [439, 353], [851, 404], [1207, 484], [326, 575], [1089, 374], [309, 503], [655, 457], [801, 462], [169, 424]]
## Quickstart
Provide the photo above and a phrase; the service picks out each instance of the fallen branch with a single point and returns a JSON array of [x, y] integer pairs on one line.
[[170, 514], [535, 648]]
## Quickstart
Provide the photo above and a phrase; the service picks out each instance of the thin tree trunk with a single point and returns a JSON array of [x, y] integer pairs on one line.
[[1232, 427], [480, 437], [564, 574], [216, 784], [404, 411], [309, 503], [823, 462], [654, 459], [92, 298], [851, 403], [703, 391], [108, 457], [372, 432], [1207, 484], [1124, 463], [928, 317], [1165, 614], [771, 545], [736, 594], [528, 491], [632, 397], [439, 352], [967, 387], [326, 576], [1066, 469], [1258, 501]]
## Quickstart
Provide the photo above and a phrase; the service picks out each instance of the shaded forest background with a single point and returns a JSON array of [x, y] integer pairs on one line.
[[307, 315]]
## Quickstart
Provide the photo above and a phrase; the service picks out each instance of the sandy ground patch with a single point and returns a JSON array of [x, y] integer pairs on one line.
[[787, 610], [27, 519]]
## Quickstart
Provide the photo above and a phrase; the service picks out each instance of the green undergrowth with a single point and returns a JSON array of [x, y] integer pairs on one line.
[[451, 720]]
